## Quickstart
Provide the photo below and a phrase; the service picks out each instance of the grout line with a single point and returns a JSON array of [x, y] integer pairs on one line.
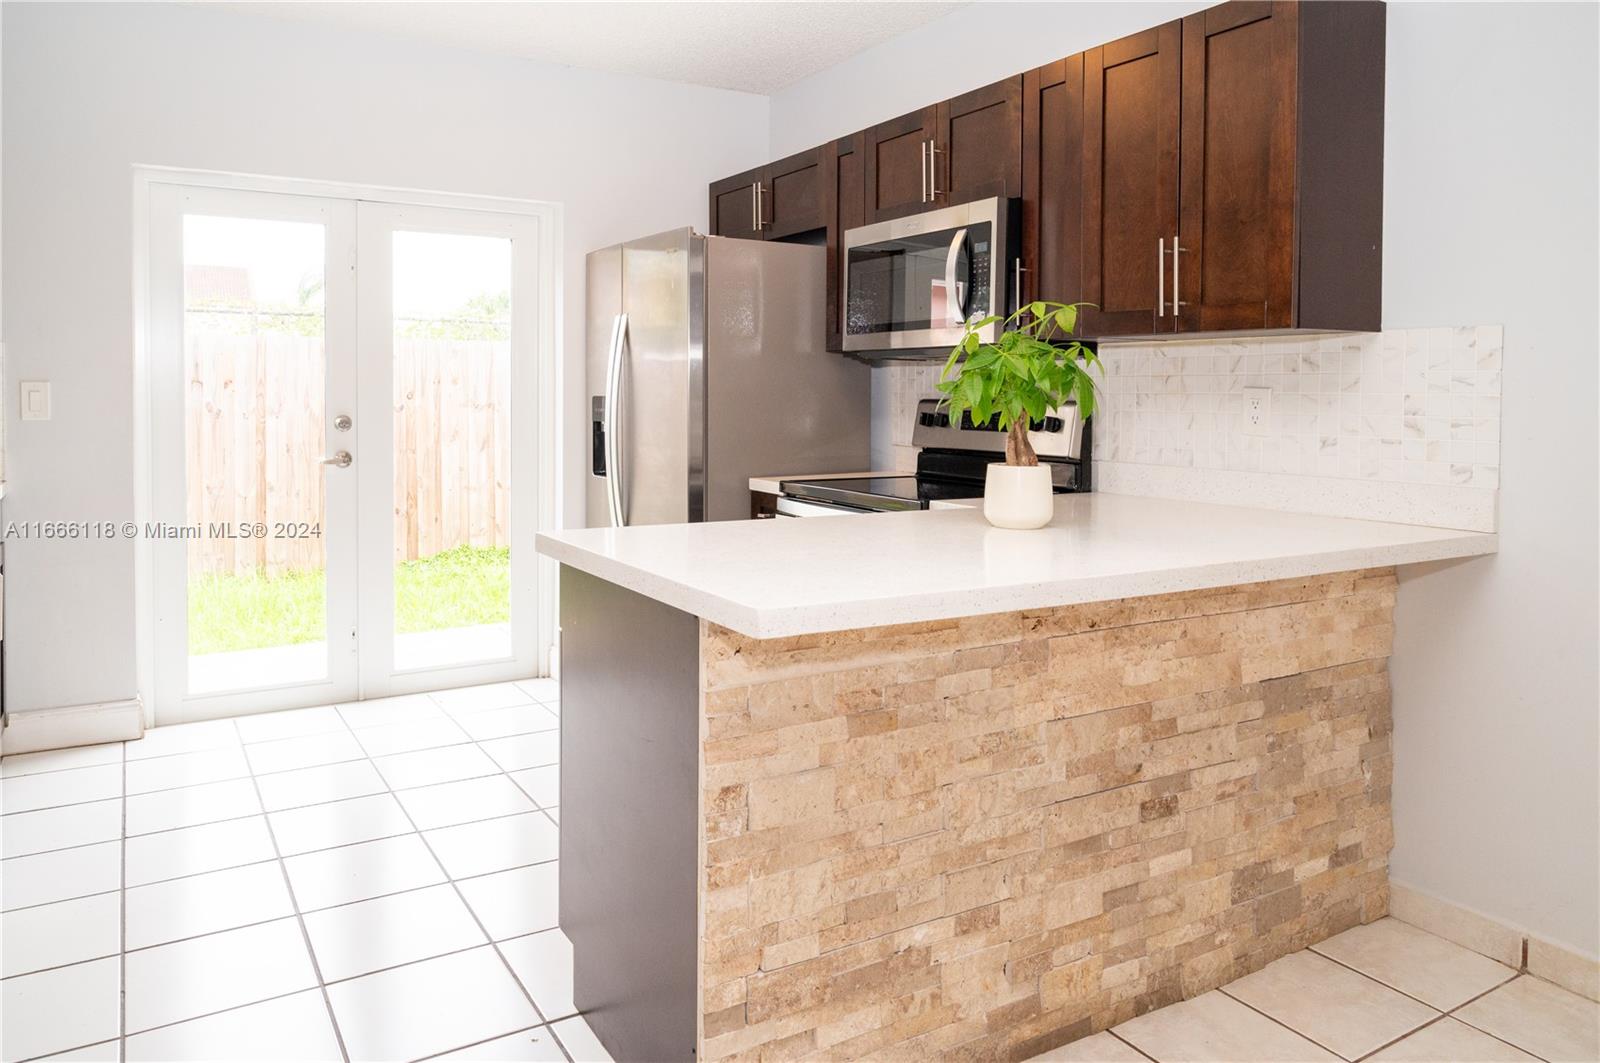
[[1471, 1025], [300, 921], [1131, 1045], [1441, 1013], [474, 914], [62, 966], [268, 860], [62, 900], [251, 772], [1388, 1044], [565, 1051], [1272, 1018], [122, 920], [75, 1048], [486, 1040], [279, 860], [537, 807], [462, 898], [1378, 981], [411, 963], [226, 1010]]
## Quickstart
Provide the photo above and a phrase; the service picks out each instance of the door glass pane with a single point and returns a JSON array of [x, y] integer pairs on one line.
[[452, 438], [254, 371]]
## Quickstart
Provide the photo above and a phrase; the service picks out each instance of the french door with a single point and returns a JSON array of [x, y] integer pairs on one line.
[[344, 459]]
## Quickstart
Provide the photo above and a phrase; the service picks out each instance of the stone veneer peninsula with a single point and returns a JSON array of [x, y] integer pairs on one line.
[[964, 836]]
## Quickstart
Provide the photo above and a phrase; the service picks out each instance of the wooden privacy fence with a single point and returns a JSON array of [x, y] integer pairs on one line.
[[255, 437]]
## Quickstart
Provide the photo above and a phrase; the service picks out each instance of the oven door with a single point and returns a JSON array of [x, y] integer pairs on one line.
[[794, 507], [913, 283]]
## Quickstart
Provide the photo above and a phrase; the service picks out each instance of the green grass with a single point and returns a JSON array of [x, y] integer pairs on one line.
[[456, 588], [460, 587]]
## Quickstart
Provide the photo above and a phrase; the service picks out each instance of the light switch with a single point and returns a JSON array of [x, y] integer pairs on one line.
[[36, 400]]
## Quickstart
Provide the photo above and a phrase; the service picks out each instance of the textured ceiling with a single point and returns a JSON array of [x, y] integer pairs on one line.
[[754, 47]]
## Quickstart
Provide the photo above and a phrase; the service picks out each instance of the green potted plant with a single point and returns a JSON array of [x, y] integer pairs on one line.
[[1032, 368]]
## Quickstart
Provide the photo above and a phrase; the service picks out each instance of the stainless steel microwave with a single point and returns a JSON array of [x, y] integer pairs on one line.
[[911, 284]]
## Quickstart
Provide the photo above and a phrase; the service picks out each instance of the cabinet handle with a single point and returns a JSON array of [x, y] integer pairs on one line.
[[933, 172], [1176, 301], [1161, 277], [1016, 283], [755, 217], [761, 215], [924, 146]]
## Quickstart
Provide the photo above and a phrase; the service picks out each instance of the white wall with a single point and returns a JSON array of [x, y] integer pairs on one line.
[[92, 90], [1491, 173], [1490, 218]]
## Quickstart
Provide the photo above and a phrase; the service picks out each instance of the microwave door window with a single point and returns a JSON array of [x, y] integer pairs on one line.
[[900, 285]]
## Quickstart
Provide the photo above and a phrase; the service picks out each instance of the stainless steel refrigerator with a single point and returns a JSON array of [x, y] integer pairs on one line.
[[707, 365]]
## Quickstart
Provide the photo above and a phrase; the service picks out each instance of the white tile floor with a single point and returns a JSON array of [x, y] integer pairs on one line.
[[378, 882], [1386, 992], [358, 882]]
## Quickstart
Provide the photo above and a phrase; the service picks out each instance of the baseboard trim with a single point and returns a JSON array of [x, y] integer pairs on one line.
[[72, 725], [1511, 945], [1566, 968]]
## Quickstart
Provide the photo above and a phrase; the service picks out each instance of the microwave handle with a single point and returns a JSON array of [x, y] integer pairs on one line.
[[955, 300]]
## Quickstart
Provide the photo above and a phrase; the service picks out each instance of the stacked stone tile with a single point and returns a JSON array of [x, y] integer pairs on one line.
[[981, 838]]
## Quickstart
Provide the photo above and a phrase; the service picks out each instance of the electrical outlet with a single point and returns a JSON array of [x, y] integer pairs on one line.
[[1257, 411]]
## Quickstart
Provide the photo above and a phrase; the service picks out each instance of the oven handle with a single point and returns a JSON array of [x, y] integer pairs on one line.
[[793, 507], [954, 298]]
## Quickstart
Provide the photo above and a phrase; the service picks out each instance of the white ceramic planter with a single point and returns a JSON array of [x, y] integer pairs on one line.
[[1018, 496]]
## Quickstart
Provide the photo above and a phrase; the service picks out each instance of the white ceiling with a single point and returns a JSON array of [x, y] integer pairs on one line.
[[754, 47]]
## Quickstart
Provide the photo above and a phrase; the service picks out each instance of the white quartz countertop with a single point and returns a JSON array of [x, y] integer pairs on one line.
[[795, 576]]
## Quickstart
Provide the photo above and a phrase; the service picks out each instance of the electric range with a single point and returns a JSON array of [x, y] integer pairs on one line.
[[952, 463]]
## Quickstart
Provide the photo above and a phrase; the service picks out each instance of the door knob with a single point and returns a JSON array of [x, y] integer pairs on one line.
[[342, 422], [341, 459]]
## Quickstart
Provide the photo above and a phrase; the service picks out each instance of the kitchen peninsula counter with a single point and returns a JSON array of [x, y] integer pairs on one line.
[[907, 786], [795, 576]]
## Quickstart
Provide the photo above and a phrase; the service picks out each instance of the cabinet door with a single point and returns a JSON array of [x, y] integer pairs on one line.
[[844, 194], [1052, 183], [733, 206], [792, 195], [979, 145], [1130, 181], [1237, 198], [896, 165]]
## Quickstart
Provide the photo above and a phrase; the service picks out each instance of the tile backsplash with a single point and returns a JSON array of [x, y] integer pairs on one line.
[[1404, 406], [1399, 425]]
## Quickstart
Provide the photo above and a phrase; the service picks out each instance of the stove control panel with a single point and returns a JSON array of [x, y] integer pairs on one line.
[[1058, 435]]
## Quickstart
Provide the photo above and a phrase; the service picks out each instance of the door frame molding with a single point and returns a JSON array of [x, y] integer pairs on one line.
[[547, 384]]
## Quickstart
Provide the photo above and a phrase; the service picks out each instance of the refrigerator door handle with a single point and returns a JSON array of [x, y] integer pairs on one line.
[[614, 496], [954, 298]]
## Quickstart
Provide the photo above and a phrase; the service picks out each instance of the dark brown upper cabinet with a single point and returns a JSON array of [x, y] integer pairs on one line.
[[844, 207], [1235, 253], [792, 196], [900, 178], [957, 151], [777, 200], [1130, 180], [1051, 266], [1233, 172], [978, 144], [736, 206], [1281, 193], [1219, 173]]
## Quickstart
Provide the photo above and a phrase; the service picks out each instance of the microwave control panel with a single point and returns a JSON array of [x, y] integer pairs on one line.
[[978, 304]]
